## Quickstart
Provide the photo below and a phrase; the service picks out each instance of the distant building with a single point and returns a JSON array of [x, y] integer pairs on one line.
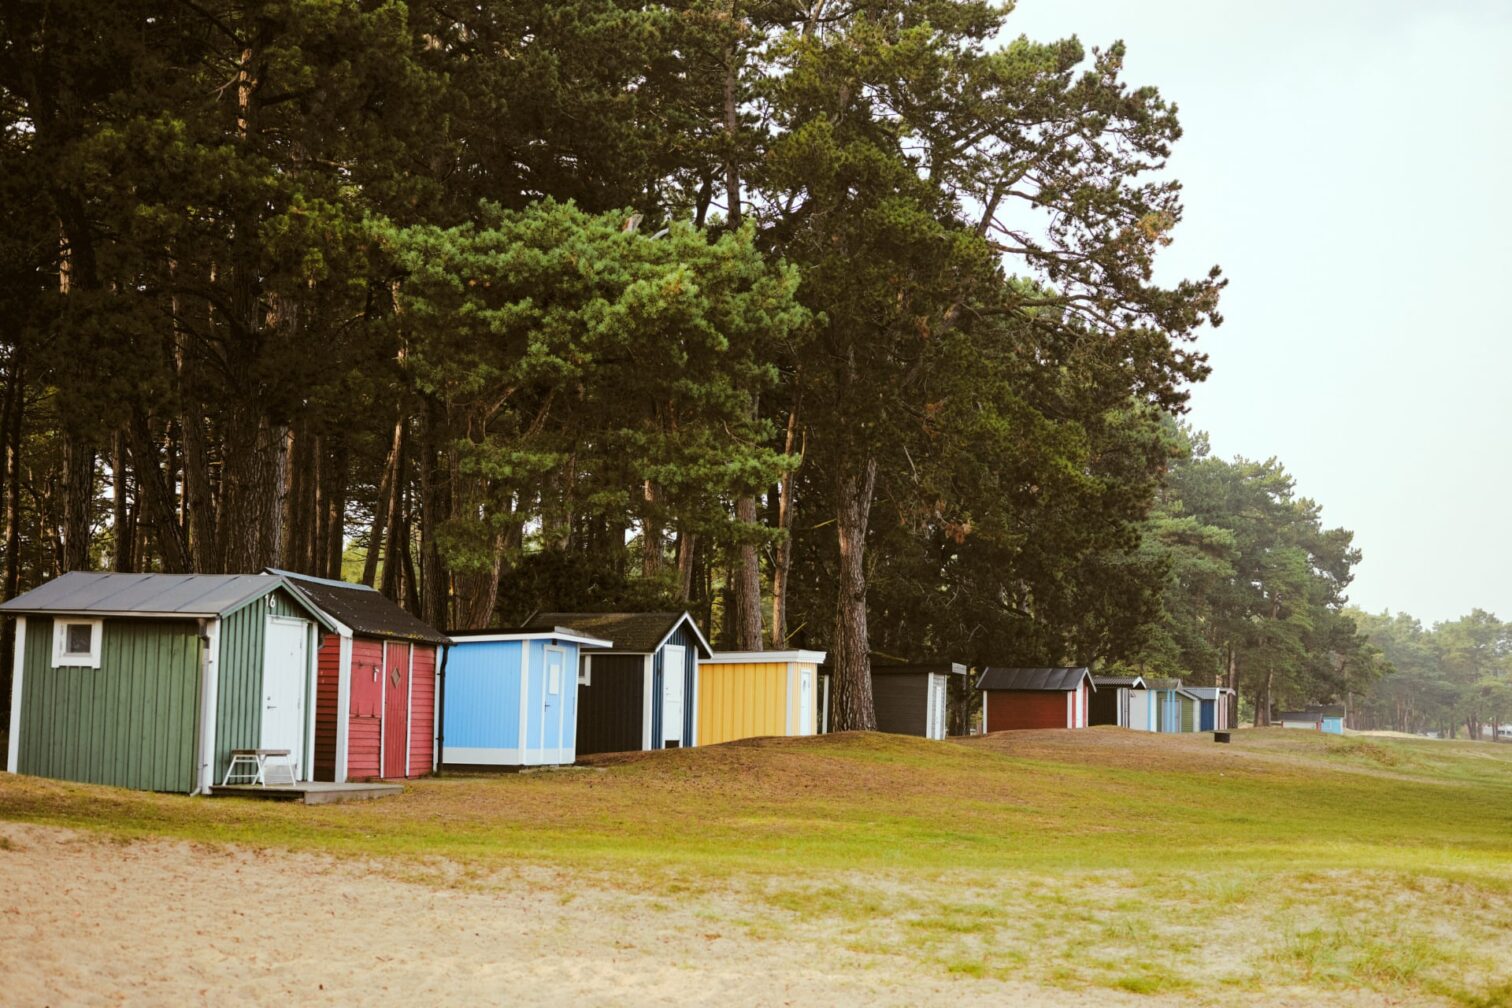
[[1329, 719]]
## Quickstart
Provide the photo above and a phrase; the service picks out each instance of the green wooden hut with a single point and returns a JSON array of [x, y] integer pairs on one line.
[[149, 681]]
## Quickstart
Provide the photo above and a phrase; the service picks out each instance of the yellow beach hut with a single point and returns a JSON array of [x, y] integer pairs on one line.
[[745, 694]]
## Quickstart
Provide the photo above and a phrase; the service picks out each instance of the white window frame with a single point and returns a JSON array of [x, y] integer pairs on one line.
[[585, 670], [61, 658]]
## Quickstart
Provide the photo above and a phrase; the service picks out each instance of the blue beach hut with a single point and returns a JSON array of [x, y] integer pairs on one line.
[[1214, 704], [509, 697]]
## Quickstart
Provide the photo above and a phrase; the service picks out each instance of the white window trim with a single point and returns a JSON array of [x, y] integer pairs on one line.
[[585, 670], [61, 658]]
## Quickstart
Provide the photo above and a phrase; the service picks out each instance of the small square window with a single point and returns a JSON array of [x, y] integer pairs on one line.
[[80, 638], [76, 643]]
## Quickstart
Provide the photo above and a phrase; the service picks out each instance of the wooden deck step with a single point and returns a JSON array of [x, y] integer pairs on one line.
[[309, 792]]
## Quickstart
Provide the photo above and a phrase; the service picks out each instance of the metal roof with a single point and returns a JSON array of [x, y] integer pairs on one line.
[[1163, 684], [1312, 713], [917, 668], [1062, 679], [166, 595], [1207, 692], [632, 633], [1132, 682], [365, 610]]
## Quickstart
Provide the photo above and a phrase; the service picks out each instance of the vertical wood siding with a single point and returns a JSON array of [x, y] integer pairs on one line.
[[737, 701], [239, 693], [396, 681], [902, 701], [130, 723], [423, 711], [1188, 714], [689, 643], [610, 707], [364, 732], [1010, 710], [483, 695], [327, 698]]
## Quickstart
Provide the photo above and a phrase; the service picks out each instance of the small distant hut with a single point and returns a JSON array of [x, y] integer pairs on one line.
[[914, 698], [510, 697], [748, 694], [1016, 698], [1328, 719], [1112, 703], [1214, 707], [640, 693]]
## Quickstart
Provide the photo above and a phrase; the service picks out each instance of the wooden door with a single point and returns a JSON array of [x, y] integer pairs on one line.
[[674, 689], [285, 680], [396, 694]]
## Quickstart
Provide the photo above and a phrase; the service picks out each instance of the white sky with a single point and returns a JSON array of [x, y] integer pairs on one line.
[[1349, 164]]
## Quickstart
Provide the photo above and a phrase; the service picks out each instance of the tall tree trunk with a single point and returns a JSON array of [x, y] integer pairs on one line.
[[851, 704], [388, 488], [433, 579], [122, 525], [687, 549], [78, 500], [157, 498], [393, 552], [782, 562], [651, 532], [333, 502], [254, 489], [10, 427], [745, 580]]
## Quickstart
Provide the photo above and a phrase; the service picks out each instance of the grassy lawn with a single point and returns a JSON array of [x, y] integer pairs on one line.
[[1286, 861]]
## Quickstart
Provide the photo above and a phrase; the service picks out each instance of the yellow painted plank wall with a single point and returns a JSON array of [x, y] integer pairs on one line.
[[737, 701]]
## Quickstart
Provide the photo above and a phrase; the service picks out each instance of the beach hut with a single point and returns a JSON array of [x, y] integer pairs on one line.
[[509, 698], [914, 698], [1328, 719], [1214, 707], [376, 710], [642, 692], [1014, 698], [746, 694], [1175, 706], [150, 681], [1114, 702]]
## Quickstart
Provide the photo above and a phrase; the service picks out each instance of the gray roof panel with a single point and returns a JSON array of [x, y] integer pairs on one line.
[[1061, 679], [146, 594], [632, 633]]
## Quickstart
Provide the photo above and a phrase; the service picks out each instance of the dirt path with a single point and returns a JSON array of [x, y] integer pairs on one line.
[[86, 921], [91, 921]]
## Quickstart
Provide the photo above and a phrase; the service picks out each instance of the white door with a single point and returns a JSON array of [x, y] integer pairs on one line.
[[937, 699], [285, 668], [806, 701], [674, 690], [1139, 710]]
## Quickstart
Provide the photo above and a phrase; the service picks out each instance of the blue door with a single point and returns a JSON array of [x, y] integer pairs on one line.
[[1207, 715]]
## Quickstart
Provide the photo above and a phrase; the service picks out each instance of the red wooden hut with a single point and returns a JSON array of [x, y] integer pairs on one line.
[[1035, 698], [376, 703]]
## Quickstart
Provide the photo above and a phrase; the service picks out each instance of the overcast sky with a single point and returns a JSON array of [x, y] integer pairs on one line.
[[1349, 164]]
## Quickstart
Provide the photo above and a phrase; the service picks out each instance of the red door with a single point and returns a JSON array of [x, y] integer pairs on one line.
[[396, 691]]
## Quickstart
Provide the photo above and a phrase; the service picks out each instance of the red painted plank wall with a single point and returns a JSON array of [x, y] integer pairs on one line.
[[423, 711], [327, 684], [364, 735], [1008, 710]]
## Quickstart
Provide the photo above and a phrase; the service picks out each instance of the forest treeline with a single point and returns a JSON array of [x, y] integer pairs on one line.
[[834, 322]]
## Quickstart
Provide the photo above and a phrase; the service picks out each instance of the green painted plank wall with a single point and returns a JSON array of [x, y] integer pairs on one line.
[[130, 723], [239, 697]]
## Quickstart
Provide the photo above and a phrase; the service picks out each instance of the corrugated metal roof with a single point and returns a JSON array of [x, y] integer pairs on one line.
[[367, 611], [632, 633], [144, 594], [1163, 684], [1207, 692], [1063, 679]]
